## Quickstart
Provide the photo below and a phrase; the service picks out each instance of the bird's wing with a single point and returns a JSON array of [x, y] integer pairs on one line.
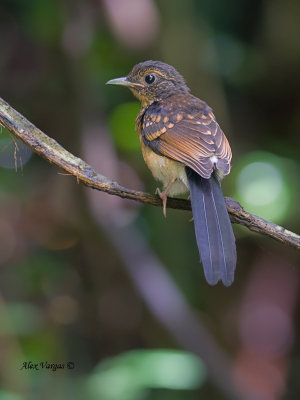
[[186, 130]]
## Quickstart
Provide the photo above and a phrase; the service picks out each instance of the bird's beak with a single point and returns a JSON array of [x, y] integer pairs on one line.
[[123, 82]]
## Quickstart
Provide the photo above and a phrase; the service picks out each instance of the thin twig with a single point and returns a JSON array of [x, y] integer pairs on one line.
[[56, 154]]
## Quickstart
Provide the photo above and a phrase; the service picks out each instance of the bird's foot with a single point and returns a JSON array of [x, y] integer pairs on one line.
[[164, 197]]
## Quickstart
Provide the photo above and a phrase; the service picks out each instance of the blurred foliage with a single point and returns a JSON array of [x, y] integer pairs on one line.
[[44, 20], [64, 295], [122, 122], [131, 374]]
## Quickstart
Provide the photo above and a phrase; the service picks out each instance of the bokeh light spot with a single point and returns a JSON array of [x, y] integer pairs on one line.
[[171, 369], [259, 183], [264, 185], [131, 373]]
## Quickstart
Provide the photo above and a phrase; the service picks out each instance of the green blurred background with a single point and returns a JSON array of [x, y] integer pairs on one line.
[[110, 285]]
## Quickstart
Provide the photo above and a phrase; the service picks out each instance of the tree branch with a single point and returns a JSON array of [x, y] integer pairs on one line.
[[53, 152]]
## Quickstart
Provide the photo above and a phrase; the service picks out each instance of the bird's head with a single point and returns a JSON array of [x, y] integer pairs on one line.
[[150, 81]]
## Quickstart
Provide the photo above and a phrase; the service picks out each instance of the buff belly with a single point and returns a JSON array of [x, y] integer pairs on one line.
[[166, 170]]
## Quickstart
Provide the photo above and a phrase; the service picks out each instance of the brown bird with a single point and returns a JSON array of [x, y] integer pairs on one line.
[[185, 149]]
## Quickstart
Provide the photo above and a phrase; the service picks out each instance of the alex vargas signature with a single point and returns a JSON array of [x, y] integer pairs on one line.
[[29, 365]]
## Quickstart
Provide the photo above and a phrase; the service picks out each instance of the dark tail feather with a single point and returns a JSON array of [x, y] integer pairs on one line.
[[215, 238]]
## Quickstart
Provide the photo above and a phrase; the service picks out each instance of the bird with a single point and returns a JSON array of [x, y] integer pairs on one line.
[[186, 150]]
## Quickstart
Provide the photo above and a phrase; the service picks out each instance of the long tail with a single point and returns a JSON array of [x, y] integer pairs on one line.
[[213, 229]]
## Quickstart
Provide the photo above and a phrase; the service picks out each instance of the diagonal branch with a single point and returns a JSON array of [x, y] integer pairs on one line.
[[53, 152]]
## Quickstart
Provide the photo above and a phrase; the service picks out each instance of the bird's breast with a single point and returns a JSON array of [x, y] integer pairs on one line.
[[166, 170]]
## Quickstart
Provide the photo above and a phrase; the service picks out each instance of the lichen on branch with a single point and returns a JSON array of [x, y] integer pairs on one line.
[[54, 153]]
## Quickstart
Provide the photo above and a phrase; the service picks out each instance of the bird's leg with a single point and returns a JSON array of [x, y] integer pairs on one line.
[[164, 195]]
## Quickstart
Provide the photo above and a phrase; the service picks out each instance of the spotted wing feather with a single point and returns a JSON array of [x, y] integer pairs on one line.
[[184, 128]]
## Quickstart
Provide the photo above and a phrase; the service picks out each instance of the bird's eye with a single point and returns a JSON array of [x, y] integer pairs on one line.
[[149, 78]]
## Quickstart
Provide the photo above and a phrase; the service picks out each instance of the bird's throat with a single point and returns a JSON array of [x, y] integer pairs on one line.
[[146, 101]]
